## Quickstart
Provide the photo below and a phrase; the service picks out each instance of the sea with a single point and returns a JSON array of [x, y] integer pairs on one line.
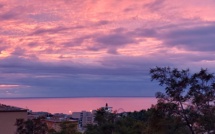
[[69, 105]]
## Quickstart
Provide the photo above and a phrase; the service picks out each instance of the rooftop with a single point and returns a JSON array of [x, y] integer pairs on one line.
[[6, 108]]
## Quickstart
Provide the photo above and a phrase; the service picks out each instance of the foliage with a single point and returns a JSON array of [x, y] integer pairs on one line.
[[104, 123], [67, 128], [152, 121], [35, 126], [193, 96], [186, 107], [20, 123]]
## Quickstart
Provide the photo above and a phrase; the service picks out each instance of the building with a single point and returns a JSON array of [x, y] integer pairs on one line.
[[55, 123], [36, 115], [84, 118], [87, 117], [107, 108], [8, 117]]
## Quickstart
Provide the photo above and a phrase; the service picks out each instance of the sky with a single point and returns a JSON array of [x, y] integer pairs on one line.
[[77, 48]]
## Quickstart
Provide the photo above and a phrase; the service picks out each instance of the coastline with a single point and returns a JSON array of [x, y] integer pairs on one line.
[[64, 105]]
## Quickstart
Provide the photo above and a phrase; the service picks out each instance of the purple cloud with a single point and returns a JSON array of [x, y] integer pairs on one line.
[[45, 17], [102, 22], [155, 5], [32, 44], [14, 13], [144, 32], [200, 38], [114, 40], [40, 31]]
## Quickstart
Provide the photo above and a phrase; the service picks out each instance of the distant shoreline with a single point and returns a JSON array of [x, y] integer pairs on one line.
[[80, 97]]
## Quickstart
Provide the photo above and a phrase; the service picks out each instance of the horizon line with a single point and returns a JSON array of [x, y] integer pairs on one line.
[[75, 97]]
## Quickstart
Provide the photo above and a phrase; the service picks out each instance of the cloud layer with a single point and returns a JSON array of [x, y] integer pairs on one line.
[[100, 48]]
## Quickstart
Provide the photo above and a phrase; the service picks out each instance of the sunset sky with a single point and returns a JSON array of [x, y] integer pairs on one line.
[[70, 48]]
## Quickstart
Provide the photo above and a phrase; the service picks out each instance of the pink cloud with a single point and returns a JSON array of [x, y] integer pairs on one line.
[[51, 36]]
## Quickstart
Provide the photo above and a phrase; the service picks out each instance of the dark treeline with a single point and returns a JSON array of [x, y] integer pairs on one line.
[[186, 107], [38, 126]]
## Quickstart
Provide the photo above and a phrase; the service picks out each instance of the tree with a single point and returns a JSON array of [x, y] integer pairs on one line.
[[68, 127], [156, 120], [161, 120], [193, 96], [35, 126], [20, 123], [202, 95], [104, 122]]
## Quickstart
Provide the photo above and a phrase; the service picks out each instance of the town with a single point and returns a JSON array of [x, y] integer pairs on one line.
[[11, 116]]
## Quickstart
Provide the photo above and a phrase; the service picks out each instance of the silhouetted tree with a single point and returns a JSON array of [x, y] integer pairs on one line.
[[104, 122], [68, 128], [20, 123], [193, 96], [35, 126]]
